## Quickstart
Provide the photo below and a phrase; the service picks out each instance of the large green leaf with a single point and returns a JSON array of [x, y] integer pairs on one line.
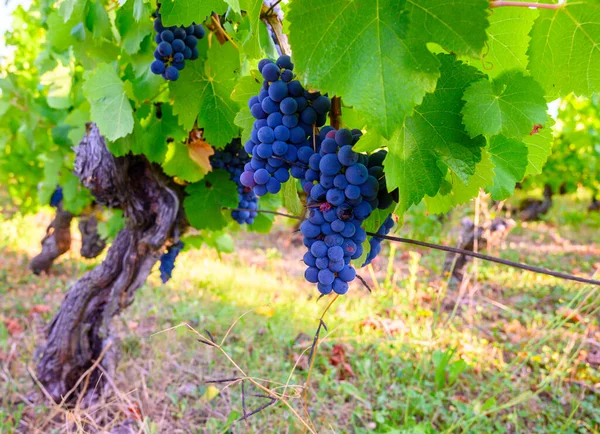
[[539, 148], [564, 54], [111, 109], [433, 135], [461, 193], [203, 93], [510, 105], [510, 160], [59, 81], [184, 12], [508, 40], [361, 50], [412, 168], [132, 32], [206, 198], [457, 25]]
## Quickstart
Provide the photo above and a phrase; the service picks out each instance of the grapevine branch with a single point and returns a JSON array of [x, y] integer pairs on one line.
[[489, 258], [497, 4]]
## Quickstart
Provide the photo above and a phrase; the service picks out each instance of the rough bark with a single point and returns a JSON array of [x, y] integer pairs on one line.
[[91, 242], [81, 330], [488, 235], [56, 242]]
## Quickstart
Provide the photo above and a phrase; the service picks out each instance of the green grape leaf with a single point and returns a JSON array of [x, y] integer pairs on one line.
[[110, 107], [97, 20], [179, 163], [205, 200], [150, 135], [53, 163], [263, 222], [203, 92], [411, 167], [76, 197], [59, 81], [247, 87], [253, 9], [510, 105], [146, 86], [245, 121], [508, 40], [460, 192], [132, 32], [564, 53], [458, 26], [72, 8], [371, 224], [184, 12], [539, 148], [510, 160], [291, 201], [434, 134], [361, 51]]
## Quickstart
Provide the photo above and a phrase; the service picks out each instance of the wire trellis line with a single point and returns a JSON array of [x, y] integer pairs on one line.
[[519, 265]]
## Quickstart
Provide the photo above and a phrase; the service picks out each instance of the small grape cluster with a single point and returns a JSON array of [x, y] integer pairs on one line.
[[385, 199], [233, 158], [286, 115], [57, 197], [167, 261], [341, 195], [175, 45], [375, 242]]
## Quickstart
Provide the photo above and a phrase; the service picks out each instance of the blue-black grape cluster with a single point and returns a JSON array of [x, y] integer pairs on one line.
[[233, 158], [282, 137], [341, 195], [375, 164], [167, 261], [57, 197], [375, 242], [175, 45]]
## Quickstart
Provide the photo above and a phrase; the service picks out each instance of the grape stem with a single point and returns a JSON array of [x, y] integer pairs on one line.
[[272, 20], [221, 31], [265, 211], [270, 10], [335, 115], [526, 267], [498, 3]]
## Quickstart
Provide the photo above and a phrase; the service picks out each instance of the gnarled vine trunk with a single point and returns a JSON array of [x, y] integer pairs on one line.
[[81, 331], [56, 242], [92, 244]]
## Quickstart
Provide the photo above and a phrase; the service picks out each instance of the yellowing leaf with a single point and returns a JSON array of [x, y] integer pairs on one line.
[[200, 151]]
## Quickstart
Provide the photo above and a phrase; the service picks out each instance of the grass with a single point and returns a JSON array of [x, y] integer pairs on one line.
[[513, 352]]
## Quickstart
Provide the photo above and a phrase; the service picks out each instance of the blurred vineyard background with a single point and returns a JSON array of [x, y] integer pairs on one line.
[[507, 351]]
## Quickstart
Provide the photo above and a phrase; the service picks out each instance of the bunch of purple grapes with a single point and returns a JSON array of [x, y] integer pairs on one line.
[[375, 242], [375, 165], [282, 137], [167, 261], [233, 158], [341, 195], [175, 45]]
